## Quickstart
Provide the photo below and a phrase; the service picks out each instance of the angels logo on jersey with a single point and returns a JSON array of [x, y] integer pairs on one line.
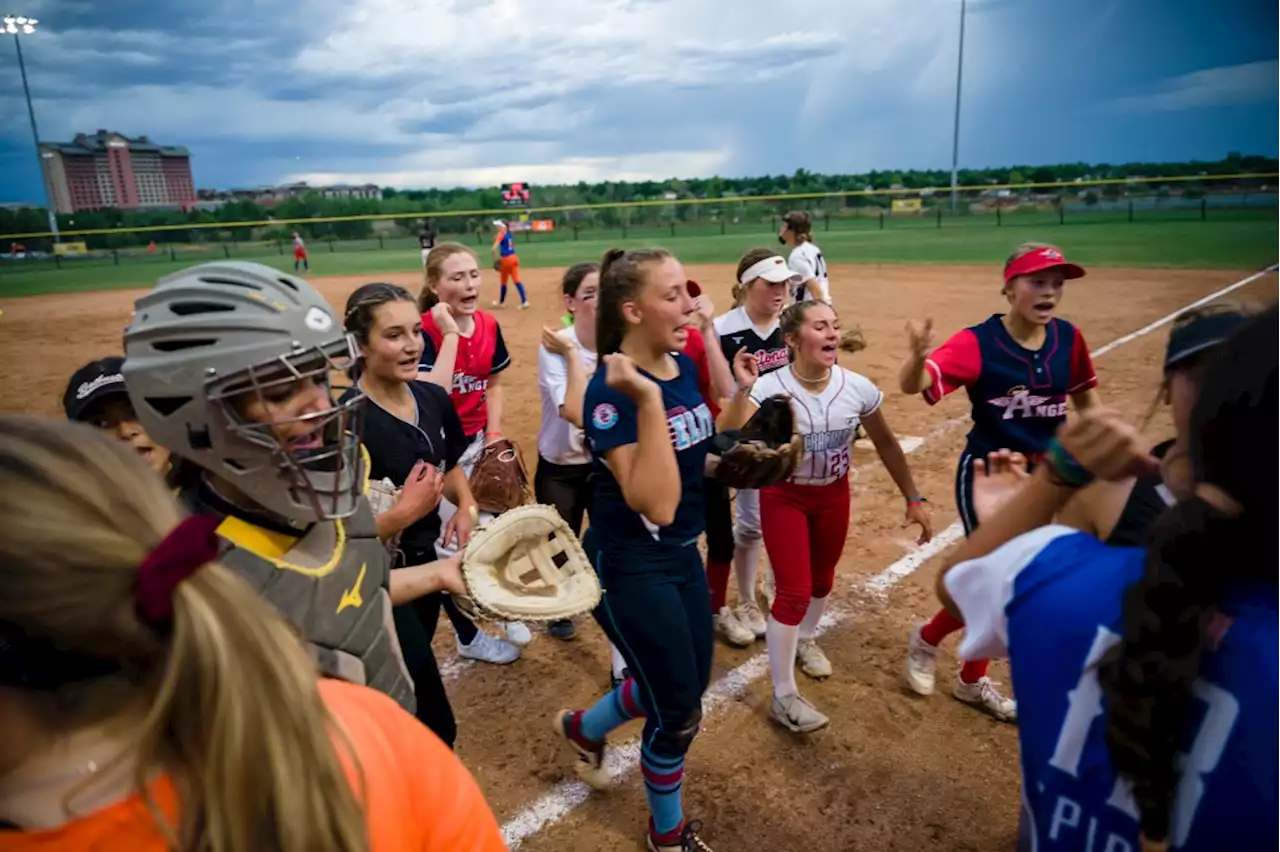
[[464, 383], [1021, 402]]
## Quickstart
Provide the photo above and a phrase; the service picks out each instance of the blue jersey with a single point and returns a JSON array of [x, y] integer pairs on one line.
[[610, 421], [1019, 396], [1051, 600], [506, 244]]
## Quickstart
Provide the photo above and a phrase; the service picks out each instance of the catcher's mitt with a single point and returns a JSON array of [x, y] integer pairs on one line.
[[499, 481], [764, 451], [527, 565], [852, 340], [382, 495]]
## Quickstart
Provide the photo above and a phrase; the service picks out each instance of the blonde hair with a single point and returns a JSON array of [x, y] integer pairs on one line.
[[427, 299], [750, 259], [226, 696]]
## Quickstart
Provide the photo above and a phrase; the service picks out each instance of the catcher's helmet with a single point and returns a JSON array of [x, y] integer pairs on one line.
[[211, 338]]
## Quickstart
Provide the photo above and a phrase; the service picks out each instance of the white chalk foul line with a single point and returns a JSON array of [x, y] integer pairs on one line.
[[622, 759]]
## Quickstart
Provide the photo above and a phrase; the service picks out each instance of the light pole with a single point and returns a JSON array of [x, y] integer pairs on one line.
[[955, 133], [20, 25]]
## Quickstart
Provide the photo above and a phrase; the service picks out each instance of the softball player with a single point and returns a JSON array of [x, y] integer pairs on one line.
[[150, 694], [96, 395], [761, 291], [414, 438], [805, 258], [1148, 700], [649, 430], [464, 353], [427, 240], [300, 253], [229, 366], [566, 359], [507, 263], [1121, 513], [806, 518], [1019, 369]]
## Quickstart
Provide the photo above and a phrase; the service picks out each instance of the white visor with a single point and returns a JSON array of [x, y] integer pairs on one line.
[[498, 223], [773, 269]]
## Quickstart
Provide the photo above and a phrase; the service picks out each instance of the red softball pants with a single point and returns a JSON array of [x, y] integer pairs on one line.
[[804, 529]]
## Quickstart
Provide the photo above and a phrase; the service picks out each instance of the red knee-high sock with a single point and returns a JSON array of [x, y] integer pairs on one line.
[[974, 671], [718, 580], [942, 626]]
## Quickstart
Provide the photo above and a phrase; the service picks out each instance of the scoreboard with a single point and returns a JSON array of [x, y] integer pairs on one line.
[[515, 195]]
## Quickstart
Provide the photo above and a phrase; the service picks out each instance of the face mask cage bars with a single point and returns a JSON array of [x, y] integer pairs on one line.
[[326, 477]]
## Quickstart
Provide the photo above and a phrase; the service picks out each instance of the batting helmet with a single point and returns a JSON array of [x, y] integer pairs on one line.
[[210, 340]]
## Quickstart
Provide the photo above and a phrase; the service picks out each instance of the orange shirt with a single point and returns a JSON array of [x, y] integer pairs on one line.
[[420, 797]]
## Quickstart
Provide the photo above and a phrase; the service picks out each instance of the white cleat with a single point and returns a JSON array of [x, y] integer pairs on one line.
[[922, 664], [489, 649], [795, 714], [984, 696], [813, 661], [517, 633], [750, 617], [731, 630]]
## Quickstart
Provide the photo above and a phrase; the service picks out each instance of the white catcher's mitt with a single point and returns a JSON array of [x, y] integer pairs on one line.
[[382, 495], [527, 565]]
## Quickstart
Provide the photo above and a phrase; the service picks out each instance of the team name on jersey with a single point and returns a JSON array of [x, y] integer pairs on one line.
[[464, 383], [1020, 402], [820, 442], [771, 359], [690, 427]]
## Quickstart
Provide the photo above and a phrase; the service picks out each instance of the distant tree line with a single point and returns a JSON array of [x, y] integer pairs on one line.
[[735, 201]]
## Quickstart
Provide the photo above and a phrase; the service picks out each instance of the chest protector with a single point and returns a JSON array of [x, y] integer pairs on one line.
[[332, 584]]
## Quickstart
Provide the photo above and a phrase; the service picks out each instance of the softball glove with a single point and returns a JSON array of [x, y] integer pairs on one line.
[[527, 565], [499, 480], [382, 494], [765, 451], [852, 340]]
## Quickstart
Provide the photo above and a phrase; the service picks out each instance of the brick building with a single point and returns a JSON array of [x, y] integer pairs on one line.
[[109, 169]]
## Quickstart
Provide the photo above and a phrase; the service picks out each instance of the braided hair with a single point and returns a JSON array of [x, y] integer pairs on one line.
[[1199, 547]]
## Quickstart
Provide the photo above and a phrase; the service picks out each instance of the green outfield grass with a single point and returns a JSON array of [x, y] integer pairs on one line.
[[1244, 244]]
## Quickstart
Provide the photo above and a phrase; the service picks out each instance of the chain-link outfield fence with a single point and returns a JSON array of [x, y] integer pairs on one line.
[[1117, 202]]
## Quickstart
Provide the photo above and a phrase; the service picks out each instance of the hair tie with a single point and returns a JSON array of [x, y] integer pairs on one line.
[[1218, 498], [192, 544]]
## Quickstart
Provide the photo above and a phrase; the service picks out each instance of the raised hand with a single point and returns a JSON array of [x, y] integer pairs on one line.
[[421, 492], [996, 479], [620, 373], [920, 337], [746, 369], [704, 311], [555, 343], [1104, 444], [443, 317]]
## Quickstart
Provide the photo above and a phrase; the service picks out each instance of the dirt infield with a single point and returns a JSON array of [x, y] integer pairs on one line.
[[893, 771]]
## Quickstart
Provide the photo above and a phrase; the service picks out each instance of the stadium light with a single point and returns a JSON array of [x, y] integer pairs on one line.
[[955, 133], [20, 25]]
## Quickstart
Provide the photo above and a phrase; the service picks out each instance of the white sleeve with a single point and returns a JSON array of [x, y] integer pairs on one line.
[[553, 375], [765, 387], [983, 587], [870, 396], [801, 265]]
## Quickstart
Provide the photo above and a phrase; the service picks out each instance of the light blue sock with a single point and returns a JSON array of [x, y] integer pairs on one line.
[[619, 705], [663, 779]]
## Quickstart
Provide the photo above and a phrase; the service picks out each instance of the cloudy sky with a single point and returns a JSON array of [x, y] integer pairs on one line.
[[478, 92]]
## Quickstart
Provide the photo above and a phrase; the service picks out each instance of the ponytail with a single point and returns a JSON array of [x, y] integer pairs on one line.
[[621, 278], [225, 694]]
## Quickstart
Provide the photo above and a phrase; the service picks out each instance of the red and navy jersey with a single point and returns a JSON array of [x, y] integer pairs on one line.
[[480, 356], [1019, 396]]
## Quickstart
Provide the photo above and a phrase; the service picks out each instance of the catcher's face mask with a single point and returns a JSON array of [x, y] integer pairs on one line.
[[286, 407]]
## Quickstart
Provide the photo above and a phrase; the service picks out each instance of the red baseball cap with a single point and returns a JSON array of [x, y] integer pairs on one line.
[[1041, 259]]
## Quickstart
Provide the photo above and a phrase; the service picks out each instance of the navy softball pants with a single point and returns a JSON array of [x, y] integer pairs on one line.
[[656, 609]]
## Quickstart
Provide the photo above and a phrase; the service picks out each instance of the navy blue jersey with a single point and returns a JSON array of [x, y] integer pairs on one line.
[[1019, 396], [610, 421], [1051, 600]]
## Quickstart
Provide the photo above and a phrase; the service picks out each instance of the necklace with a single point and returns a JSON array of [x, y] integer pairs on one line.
[[808, 380]]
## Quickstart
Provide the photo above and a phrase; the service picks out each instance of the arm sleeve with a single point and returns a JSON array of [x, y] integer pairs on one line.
[[1083, 376], [610, 418], [553, 375], [501, 357], [982, 589], [428, 358], [953, 365]]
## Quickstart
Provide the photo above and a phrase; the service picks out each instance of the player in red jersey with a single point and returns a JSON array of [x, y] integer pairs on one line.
[[1019, 369], [464, 353]]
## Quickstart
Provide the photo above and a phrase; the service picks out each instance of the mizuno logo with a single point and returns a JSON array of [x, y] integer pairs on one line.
[[352, 597]]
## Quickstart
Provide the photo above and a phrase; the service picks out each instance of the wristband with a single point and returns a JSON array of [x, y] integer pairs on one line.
[[1064, 469], [916, 500]]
